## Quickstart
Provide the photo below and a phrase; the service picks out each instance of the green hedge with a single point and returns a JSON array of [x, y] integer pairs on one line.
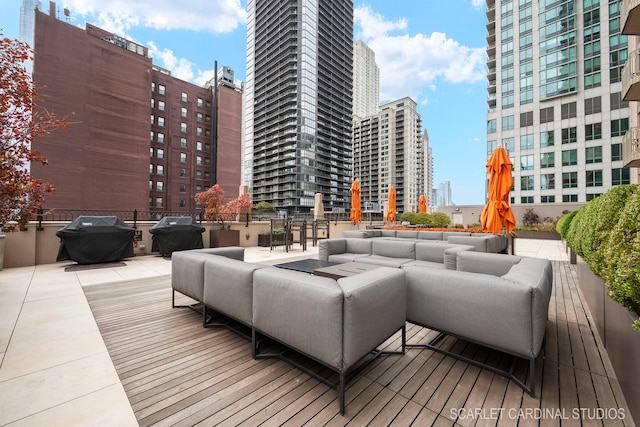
[[562, 226], [436, 219], [605, 233]]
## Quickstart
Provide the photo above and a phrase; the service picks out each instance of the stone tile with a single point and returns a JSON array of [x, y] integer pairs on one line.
[[30, 394], [29, 358], [107, 407]]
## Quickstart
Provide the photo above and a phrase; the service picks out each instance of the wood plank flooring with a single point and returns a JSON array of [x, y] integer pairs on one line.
[[177, 373]]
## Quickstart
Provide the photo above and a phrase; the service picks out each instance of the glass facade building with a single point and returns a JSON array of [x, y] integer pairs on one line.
[[554, 96], [298, 103]]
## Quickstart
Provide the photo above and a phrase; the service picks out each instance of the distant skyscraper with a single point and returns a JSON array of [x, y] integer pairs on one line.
[[366, 81], [298, 102], [27, 25], [554, 96], [388, 151], [428, 173], [444, 194]]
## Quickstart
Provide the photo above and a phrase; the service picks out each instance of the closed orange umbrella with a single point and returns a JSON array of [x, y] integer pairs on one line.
[[497, 214], [356, 212], [422, 203], [391, 213]]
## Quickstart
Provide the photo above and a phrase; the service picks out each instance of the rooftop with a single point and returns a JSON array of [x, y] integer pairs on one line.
[[81, 345]]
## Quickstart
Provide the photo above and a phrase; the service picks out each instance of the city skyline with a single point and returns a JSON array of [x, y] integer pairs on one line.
[[431, 52]]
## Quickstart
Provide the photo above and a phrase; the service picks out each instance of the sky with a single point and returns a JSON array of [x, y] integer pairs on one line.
[[430, 50]]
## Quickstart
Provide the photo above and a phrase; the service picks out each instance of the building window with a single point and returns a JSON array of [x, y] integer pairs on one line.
[[616, 152], [569, 198], [183, 127], [547, 199], [161, 122], [526, 199], [617, 102], [183, 173], [491, 126], [160, 153], [546, 138], [151, 168], [198, 160], [159, 170], [199, 131], [491, 146], [200, 102], [526, 142], [153, 103], [593, 154], [526, 162], [526, 119], [152, 135], [547, 181], [615, 74], [159, 185], [159, 202], [569, 135], [151, 152], [526, 182], [507, 123], [153, 86], [160, 137], [509, 144], [183, 157], [593, 105], [592, 80], [591, 196], [546, 115], [183, 142], [619, 127], [183, 112], [569, 179], [199, 116], [199, 145], [568, 111], [593, 178], [198, 174], [183, 188], [162, 90], [153, 119], [207, 133], [184, 97], [183, 203], [593, 131], [547, 160], [569, 157], [161, 105], [150, 185], [620, 176]]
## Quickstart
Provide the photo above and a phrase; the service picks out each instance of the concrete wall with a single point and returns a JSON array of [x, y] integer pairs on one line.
[[40, 246], [470, 214]]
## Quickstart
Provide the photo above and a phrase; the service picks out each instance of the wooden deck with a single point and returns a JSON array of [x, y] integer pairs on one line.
[[177, 373]]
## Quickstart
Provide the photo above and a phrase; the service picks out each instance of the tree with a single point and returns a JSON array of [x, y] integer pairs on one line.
[[217, 210], [21, 195]]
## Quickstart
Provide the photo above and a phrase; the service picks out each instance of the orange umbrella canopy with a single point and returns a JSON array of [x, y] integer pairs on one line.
[[497, 214], [391, 214], [422, 203], [356, 212]]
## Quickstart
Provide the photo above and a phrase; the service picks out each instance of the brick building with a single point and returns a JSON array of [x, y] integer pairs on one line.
[[137, 138]]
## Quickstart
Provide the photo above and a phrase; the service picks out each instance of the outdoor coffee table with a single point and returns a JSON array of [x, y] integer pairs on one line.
[[344, 269], [306, 265]]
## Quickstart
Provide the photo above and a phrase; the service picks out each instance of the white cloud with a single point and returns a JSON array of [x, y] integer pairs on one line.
[[216, 16], [411, 64], [478, 4]]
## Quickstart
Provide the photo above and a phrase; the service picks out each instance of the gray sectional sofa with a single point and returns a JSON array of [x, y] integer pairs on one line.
[[482, 242], [496, 300]]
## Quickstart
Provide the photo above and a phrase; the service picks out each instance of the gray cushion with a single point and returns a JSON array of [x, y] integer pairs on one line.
[[228, 287], [430, 235], [407, 234], [419, 263], [347, 257], [358, 246], [327, 247], [355, 234], [384, 260], [431, 251], [388, 233], [394, 248], [481, 262]]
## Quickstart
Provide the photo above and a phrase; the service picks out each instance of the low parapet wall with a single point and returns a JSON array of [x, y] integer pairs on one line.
[[39, 245]]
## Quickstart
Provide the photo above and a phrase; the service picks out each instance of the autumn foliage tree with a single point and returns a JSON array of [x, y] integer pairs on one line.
[[217, 210], [20, 193]]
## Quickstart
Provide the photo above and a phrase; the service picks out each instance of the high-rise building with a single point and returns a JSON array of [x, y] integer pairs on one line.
[[388, 151], [366, 81], [137, 138], [444, 194], [631, 88], [27, 25], [298, 103], [428, 173], [555, 96]]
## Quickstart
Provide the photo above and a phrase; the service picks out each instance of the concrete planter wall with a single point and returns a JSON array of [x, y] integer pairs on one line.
[[613, 323], [224, 238], [542, 235]]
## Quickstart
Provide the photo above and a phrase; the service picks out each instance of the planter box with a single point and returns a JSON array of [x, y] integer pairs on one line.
[[278, 240], [224, 238], [613, 323], [543, 235]]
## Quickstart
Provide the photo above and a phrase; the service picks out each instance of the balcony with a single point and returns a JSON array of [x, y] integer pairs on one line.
[[630, 12], [631, 148], [631, 77]]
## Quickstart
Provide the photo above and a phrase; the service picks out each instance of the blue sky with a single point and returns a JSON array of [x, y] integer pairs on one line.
[[430, 50]]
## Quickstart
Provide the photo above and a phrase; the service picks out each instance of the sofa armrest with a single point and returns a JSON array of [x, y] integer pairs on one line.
[[451, 255], [331, 247], [374, 309], [486, 263]]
